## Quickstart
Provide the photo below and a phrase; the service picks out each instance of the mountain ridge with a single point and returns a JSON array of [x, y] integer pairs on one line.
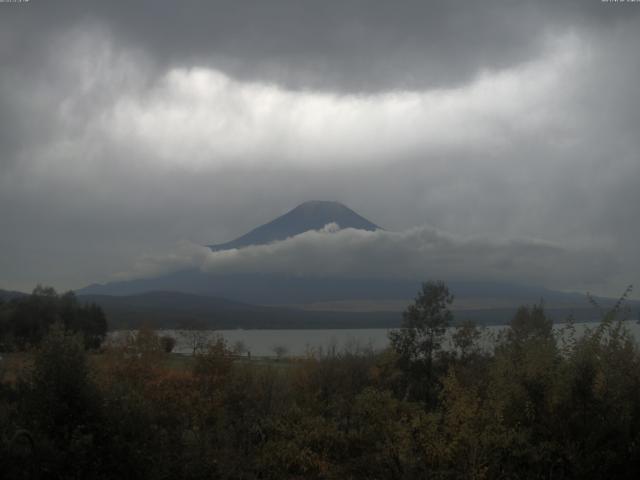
[[161, 309]]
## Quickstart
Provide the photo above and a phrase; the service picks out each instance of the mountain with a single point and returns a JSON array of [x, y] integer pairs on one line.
[[7, 295], [312, 215], [259, 288], [182, 310], [277, 301], [270, 300]]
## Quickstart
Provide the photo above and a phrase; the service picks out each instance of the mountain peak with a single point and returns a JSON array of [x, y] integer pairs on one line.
[[322, 208], [310, 215], [320, 204]]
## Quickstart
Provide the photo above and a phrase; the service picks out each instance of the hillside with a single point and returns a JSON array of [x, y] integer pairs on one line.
[[6, 295], [180, 310]]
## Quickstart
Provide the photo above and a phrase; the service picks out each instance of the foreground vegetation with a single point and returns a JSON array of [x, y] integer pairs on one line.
[[533, 407]]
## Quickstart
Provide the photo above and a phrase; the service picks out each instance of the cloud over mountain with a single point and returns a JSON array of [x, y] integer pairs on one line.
[[129, 126], [416, 254]]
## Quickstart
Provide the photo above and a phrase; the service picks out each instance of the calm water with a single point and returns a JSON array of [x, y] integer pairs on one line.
[[263, 343]]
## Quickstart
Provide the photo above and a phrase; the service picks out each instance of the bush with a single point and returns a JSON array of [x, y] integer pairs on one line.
[[168, 343]]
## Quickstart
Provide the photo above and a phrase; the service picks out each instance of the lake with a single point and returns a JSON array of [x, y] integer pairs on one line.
[[263, 343]]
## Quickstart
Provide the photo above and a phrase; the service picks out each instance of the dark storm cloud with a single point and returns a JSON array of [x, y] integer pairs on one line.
[[354, 45], [129, 126]]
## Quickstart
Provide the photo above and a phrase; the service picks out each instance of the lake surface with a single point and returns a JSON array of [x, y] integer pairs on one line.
[[263, 343]]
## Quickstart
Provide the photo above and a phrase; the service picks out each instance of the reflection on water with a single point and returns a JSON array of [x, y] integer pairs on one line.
[[264, 343]]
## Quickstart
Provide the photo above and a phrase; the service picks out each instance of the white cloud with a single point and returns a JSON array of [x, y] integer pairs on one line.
[[201, 118], [418, 253]]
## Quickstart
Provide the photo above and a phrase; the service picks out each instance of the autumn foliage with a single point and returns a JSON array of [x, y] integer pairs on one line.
[[537, 403]]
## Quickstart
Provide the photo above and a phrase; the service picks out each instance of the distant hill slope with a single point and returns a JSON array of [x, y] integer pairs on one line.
[[312, 215], [179, 310], [171, 309], [279, 289], [267, 289], [174, 310], [11, 294]]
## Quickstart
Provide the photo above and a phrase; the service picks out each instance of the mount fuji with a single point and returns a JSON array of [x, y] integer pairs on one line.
[[312, 215], [311, 300]]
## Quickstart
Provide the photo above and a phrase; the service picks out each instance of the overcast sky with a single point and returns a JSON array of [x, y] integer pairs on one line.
[[500, 129]]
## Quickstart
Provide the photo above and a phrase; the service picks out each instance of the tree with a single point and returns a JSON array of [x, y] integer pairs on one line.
[[59, 397], [530, 323], [279, 350], [423, 328], [466, 338], [168, 343], [194, 334], [212, 365], [25, 321], [147, 343], [239, 348]]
